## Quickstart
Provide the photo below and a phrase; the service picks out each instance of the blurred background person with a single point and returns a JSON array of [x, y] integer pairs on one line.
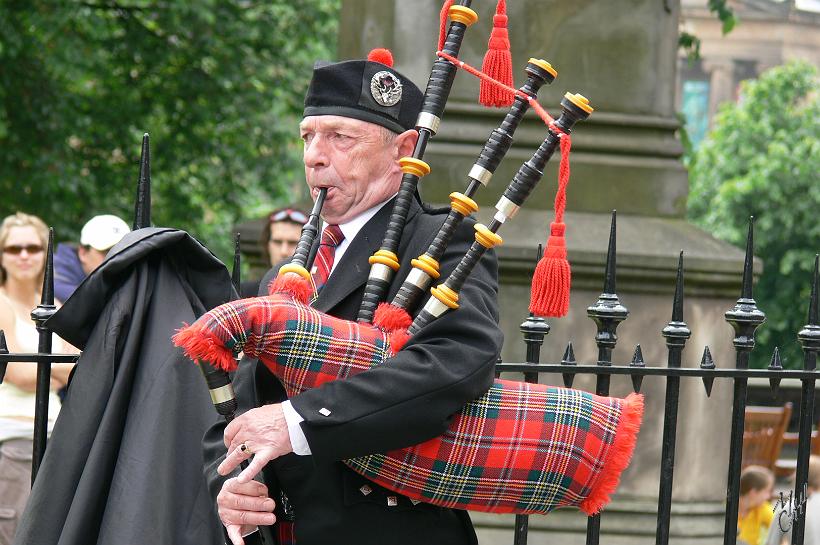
[[23, 239], [73, 263], [279, 239], [755, 512]]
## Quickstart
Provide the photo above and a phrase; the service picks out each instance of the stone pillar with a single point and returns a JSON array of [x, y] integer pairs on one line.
[[622, 56], [721, 83]]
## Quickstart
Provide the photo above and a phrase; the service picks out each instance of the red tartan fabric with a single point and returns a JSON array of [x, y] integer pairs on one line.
[[520, 448]]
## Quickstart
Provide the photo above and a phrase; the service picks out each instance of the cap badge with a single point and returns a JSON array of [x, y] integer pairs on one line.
[[385, 88]]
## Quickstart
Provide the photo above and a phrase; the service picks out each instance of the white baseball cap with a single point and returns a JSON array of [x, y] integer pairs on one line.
[[103, 232]]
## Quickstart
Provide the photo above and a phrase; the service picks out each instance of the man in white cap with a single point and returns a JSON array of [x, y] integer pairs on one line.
[[72, 265]]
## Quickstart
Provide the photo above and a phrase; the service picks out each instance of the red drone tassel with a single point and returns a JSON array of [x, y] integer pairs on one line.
[[498, 63], [551, 279], [442, 31]]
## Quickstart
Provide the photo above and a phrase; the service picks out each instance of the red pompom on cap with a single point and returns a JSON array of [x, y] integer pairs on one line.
[[381, 55]]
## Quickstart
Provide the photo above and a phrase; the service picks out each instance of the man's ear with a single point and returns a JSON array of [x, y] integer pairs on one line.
[[406, 143]]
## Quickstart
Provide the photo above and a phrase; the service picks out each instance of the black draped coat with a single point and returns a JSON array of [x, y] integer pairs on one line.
[[124, 462]]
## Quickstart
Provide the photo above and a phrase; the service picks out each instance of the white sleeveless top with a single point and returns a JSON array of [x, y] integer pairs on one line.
[[16, 405]]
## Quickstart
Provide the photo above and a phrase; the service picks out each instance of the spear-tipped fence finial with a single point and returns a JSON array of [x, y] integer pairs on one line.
[[745, 317], [809, 336], [4, 349], [637, 361], [706, 362], [814, 308], [47, 296], [775, 365], [676, 331], [748, 264], [609, 275], [236, 274], [568, 359], [608, 312], [677, 306], [142, 206]]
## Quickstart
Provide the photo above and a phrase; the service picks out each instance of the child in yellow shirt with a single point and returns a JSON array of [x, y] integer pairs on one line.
[[755, 513]]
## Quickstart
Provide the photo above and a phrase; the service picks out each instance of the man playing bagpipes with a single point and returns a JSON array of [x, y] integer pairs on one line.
[[394, 424], [353, 140]]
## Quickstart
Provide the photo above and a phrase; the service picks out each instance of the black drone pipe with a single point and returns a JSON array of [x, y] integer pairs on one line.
[[384, 263], [445, 296], [426, 266]]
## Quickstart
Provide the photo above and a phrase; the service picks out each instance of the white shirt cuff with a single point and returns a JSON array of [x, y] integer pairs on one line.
[[297, 437]]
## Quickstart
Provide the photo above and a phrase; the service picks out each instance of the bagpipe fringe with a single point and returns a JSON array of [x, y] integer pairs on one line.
[[520, 448]]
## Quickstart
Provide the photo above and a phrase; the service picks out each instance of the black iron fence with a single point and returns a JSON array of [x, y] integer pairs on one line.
[[745, 318], [607, 313]]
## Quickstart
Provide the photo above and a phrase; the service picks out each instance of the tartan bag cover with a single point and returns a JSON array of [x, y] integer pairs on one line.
[[520, 448]]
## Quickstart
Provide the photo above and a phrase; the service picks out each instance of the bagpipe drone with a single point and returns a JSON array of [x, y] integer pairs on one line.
[[520, 448]]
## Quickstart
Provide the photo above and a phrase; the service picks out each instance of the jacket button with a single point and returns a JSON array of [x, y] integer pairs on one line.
[[365, 490], [392, 501]]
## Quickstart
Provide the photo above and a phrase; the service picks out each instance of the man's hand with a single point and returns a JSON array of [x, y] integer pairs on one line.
[[244, 506], [261, 434]]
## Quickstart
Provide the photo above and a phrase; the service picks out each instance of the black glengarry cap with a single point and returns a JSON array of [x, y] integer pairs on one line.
[[368, 90]]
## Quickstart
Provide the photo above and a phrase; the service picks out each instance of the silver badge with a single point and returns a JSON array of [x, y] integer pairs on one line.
[[385, 88]]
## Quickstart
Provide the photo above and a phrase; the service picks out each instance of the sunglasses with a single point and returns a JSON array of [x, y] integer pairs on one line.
[[288, 214], [16, 249]]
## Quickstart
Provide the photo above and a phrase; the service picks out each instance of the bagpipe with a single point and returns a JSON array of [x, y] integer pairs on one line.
[[520, 448]]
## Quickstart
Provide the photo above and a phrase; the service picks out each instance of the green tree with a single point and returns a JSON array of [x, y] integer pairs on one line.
[[762, 159], [218, 84]]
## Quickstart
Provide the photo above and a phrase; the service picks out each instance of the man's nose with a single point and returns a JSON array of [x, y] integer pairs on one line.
[[315, 154]]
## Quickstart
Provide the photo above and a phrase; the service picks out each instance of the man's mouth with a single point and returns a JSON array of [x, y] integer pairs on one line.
[[315, 191]]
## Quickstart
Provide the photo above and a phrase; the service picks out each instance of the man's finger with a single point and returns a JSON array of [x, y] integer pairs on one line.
[[248, 503], [231, 429], [252, 488], [235, 533], [247, 518], [254, 467], [232, 461]]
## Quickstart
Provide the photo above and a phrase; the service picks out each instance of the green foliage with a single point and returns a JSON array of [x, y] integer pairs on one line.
[[762, 159], [218, 84], [691, 43]]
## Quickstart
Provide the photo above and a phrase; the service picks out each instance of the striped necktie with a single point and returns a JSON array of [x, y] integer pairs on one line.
[[332, 236]]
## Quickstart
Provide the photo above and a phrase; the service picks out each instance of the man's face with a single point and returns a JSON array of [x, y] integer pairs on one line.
[[354, 160], [90, 258], [284, 236]]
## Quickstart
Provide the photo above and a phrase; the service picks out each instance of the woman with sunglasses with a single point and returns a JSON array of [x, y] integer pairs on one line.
[[23, 240]]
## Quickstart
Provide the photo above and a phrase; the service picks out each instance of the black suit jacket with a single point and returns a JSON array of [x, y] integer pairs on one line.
[[405, 401]]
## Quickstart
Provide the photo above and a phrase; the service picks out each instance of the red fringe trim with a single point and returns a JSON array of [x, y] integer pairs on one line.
[[294, 285], [395, 321], [200, 344], [390, 317], [626, 436]]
